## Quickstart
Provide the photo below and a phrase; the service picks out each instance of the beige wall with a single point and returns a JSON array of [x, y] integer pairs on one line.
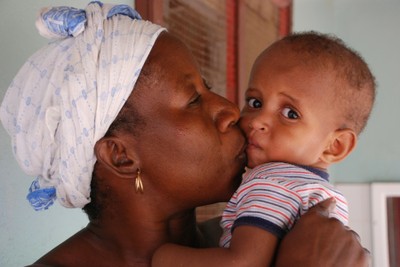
[[258, 28]]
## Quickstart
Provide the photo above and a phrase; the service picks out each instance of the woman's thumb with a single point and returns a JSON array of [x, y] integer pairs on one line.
[[325, 207]]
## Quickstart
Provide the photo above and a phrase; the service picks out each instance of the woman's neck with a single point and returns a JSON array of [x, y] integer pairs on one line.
[[138, 238]]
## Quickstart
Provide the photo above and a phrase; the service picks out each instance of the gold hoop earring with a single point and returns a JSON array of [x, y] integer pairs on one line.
[[138, 183]]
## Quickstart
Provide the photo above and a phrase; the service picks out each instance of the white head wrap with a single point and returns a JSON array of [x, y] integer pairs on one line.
[[66, 96]]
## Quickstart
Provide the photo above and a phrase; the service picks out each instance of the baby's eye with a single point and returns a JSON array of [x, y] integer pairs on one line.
[[290, 113], [254, 103]]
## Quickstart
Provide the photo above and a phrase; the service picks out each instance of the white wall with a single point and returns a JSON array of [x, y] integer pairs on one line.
[[372, 28], [360, 215], [25, 234]]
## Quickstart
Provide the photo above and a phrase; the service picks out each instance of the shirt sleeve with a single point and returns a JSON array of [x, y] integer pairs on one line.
[[314, 193], [275, 205], [267, 205]]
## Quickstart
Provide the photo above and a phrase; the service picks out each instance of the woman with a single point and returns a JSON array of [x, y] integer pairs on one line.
[[138, 152]]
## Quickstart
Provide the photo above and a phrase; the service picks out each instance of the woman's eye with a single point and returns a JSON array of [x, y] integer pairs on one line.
[[290, 113], [195, 99], [207, 84], [254, 103]]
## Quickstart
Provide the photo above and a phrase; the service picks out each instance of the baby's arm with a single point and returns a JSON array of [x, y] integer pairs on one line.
[[250, 246]]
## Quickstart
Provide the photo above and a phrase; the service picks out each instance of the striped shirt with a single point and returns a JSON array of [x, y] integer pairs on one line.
[[273, 196]]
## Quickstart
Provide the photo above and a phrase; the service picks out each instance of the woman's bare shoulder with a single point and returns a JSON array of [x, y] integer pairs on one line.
[[66, 253], [39, 265]]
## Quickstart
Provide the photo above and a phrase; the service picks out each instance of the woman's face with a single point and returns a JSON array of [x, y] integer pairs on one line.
[[190, 148]]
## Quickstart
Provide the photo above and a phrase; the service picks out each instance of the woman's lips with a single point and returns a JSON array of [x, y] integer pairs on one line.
[[242, 152]]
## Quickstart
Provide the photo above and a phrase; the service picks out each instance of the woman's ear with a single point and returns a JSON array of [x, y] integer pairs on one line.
[[341, 145], [113, 153]]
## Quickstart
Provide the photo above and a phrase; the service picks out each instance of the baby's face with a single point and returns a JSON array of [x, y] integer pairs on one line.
[[289, 114]]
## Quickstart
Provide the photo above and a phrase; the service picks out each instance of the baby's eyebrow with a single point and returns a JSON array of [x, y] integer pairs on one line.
[[251, 89], [295, 100]]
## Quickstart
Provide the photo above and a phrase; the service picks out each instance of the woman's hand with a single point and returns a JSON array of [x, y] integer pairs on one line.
[[317, 240]]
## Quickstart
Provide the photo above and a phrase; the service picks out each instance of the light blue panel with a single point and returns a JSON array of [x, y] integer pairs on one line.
[[313, 15], [372, 28], [25, 234]]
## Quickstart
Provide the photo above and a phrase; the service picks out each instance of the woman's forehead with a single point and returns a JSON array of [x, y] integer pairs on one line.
[[170, 73], [171, 50], [171, 61]]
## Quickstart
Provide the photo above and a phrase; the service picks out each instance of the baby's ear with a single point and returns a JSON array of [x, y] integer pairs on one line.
[[341, 144], [113, 152]]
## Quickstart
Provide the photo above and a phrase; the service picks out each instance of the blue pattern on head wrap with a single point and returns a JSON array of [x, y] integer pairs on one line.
[[124, 10], [65, 21], [41, 198], [69, 21]]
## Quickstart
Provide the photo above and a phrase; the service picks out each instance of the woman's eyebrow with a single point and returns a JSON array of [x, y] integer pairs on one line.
[[185, 81]]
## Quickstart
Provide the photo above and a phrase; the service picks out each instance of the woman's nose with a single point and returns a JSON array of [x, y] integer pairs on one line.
[[227, 114]]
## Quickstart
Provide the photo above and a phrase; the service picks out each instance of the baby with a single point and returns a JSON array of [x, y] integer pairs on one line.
[[308, 99]]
